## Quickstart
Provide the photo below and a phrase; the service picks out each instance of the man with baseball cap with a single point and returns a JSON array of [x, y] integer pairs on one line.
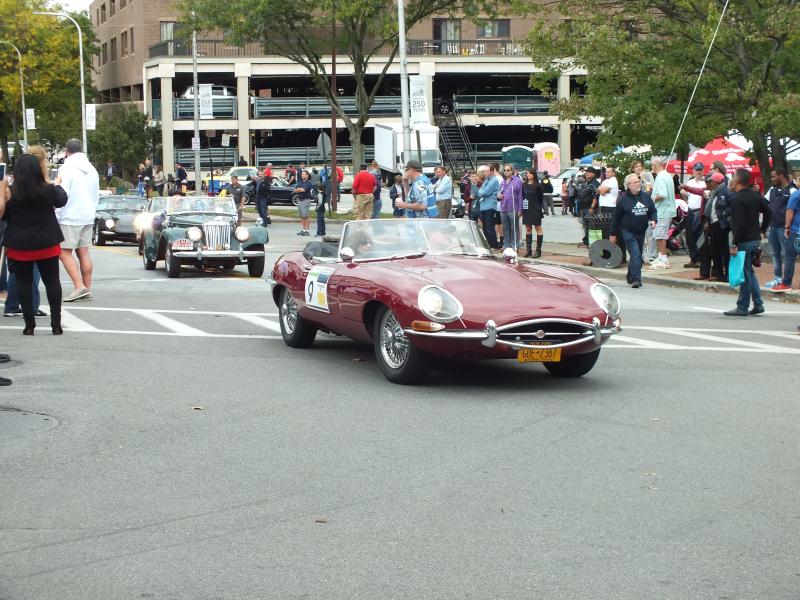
[[714, 253], [422, 198]]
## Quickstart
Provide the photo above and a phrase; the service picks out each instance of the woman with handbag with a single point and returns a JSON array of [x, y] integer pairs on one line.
[[33, 236]]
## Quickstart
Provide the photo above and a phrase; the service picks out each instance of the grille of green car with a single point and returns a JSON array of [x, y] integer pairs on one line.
[[217, 235]]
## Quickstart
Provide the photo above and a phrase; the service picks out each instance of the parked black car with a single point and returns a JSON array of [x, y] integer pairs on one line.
[[114, 218]]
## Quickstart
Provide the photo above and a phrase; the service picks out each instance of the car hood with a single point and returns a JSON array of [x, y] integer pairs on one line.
[[492, 289]]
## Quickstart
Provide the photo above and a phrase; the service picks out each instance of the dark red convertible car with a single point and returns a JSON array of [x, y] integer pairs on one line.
[[415, 288]]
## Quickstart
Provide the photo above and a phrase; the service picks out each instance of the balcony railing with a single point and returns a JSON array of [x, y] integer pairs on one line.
[[502, 105], [223, 108], [308, 155], [319, 107], [221, 48]]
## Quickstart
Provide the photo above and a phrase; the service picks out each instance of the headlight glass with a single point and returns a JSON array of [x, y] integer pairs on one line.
[[110, 223], [194, 234], [439, 305], [606, 298], [242, 234]]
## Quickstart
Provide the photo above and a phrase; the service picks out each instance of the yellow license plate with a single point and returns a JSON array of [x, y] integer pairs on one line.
[[539, 355]]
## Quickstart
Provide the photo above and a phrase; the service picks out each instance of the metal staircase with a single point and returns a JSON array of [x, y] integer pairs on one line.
[[453, 142]]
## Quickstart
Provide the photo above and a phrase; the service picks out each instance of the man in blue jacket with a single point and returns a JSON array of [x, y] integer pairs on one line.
[[635, 210], [486, 197]]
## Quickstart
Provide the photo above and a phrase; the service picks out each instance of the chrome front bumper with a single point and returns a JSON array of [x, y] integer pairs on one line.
[[201, 254], [488, 336]]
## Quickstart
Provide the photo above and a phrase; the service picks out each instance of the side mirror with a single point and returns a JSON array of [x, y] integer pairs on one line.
[[346, 254]]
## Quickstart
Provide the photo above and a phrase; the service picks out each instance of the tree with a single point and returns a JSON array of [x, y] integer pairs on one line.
[[50, 70], [303, 31], [643, 57], [126, 137]]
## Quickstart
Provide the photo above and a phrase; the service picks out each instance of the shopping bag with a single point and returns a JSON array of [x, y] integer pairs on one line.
[[736, 269], [594, 235]]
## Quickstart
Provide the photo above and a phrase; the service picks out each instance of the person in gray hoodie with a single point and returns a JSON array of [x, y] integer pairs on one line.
[[81, 182]]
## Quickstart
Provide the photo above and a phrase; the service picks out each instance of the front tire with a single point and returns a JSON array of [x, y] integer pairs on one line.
[[295, 199], [97, 239], [296, 331], [575, 366], [397, 357], [149, 265], [255, 266], [172, 264]]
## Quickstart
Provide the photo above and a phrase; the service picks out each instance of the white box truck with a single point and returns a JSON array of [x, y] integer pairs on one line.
[[392, 157]]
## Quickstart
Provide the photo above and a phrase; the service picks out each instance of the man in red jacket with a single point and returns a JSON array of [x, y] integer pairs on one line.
[[363, 189]]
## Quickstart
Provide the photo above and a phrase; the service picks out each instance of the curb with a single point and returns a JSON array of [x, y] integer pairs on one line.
[[792, 297]]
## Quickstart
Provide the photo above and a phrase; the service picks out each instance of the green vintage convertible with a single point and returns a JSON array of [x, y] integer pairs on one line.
[[201, 231]]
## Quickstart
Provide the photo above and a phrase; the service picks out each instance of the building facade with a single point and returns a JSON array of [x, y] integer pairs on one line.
[[476, 87]]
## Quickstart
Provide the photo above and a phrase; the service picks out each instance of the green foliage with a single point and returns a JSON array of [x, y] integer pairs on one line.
[[643, 57], [366, 32], [51, 72], [126, 137]]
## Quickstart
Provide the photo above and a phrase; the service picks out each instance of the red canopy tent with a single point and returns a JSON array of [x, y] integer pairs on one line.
[[731, 155]]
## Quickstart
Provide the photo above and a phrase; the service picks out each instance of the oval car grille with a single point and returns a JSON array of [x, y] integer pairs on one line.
[[217, 236], [544, 333]]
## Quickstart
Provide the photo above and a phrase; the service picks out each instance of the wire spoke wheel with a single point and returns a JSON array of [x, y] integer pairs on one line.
[[394, 343], [289, 313]]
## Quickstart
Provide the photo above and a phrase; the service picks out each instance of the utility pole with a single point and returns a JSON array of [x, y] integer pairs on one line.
[[401, 48], [334, 179], [198, 178]]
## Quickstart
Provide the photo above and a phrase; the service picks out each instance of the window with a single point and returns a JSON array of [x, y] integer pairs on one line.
[[122, 4], [497, 28], [131, 37], [102, 13], [447, 29], [113, 44], [123, 44], [112, 7], [97, 17], [104, 53], [167, 30]]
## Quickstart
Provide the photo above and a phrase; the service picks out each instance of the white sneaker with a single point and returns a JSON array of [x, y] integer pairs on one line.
[[658, 265]]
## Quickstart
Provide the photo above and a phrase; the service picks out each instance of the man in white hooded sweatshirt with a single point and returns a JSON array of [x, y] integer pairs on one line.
[[81, 182]]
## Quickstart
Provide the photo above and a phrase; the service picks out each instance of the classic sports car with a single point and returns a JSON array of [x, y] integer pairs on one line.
[[202, 231], [280, 192], [418, 287], [114, 219]]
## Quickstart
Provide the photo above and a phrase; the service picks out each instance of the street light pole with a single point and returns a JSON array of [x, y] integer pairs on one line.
[[401, 48], [83, 86], [196, 94], [22, 91]]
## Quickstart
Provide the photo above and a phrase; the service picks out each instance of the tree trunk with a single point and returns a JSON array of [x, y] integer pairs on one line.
[[778, 154], [761, 154], [355, 143], [4, 146]]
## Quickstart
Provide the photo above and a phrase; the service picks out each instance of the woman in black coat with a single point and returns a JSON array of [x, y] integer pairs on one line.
[[532, 212], [33, 236]]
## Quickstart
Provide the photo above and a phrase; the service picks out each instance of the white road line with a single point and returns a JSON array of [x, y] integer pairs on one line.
[[174, 312], [244, 336], [715, 338], [176, 327], [769, 312], [256, 320], [637, 343], [73, 323]]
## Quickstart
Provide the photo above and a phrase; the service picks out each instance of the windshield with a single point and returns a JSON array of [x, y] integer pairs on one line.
[[429, 157], [567, 173], [216, 204], [242, 172], [117, 203], [397, 238]]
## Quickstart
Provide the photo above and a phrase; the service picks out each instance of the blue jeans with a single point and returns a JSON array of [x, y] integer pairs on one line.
[[789, 259], [261, 207], [634, 242], [750, 285], [777, 246], [320, 219], [510, 223], [377, 204], [12, 300], [487, 218]]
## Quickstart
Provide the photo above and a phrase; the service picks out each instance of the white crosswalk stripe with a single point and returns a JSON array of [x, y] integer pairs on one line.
[[265, 326]]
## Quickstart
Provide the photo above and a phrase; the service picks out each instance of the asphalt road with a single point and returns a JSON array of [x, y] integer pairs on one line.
[[670, 471]]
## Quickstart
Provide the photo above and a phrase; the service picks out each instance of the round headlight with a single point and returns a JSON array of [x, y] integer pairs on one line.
[[242, 234], [194, 234], [605, 298], [439, 305], [110, 223]]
